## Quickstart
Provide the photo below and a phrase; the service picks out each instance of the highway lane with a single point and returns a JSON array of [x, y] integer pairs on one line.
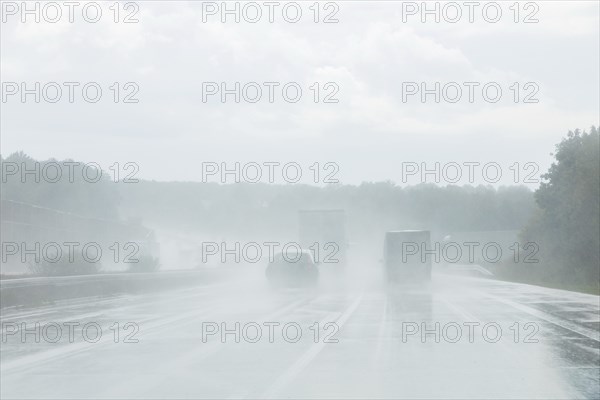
[[456, 338]]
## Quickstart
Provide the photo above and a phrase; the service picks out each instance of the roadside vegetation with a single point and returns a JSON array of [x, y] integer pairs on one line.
[[561, 217]]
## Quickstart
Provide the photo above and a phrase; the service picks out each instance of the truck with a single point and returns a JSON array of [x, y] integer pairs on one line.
[[323, 232], [404, 256]]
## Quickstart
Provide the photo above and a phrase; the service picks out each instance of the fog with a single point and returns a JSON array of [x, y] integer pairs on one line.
[[306, 200]]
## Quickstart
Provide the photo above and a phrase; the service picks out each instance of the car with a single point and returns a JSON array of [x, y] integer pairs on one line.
[[292, 269]]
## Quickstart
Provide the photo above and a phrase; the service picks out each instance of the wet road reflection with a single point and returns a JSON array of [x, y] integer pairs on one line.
[[454, 338]]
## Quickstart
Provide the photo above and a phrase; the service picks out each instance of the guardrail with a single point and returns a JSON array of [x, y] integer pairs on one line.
[[43, 290]]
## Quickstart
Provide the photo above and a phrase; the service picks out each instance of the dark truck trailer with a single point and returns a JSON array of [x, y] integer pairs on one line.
[[404, 255]]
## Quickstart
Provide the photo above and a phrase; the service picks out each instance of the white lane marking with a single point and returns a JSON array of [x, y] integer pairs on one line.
[[563, 323], [93, 302], [200, 292], [69, 349], [200, 353], [307, 357], [152, 322], [468, 317], [381, 333]]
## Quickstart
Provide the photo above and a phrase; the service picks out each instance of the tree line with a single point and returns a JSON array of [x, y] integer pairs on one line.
[[561, 216]]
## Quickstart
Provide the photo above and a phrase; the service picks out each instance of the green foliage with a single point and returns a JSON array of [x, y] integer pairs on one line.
[[567, 227], [71, 193], [247, 208], [64, 263], [89, 203]]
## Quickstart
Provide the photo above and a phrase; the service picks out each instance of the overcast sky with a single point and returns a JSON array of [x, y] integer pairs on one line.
[[368, 55]]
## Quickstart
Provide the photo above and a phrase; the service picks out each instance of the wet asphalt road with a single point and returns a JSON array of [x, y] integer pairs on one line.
[[458, 337]]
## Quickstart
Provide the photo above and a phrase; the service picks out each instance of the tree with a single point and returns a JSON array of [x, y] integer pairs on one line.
[[567, 228], [65, 185]]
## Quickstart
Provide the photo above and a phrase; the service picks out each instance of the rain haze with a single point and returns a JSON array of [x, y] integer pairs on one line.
[[310, 199]]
